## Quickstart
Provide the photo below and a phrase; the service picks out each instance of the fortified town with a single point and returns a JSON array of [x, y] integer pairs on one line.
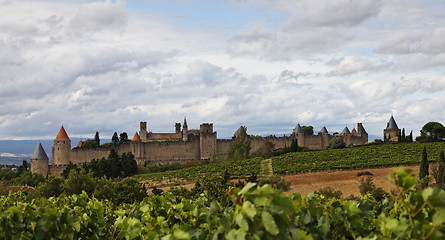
[[187, 145]]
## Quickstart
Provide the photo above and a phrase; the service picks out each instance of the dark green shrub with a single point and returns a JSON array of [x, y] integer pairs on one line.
[[337, 143], [329, 192]]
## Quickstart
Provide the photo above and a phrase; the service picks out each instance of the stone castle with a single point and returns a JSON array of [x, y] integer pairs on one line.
[[183, 145]]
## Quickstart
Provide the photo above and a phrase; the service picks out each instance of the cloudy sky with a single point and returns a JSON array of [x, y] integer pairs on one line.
[[266, 64]]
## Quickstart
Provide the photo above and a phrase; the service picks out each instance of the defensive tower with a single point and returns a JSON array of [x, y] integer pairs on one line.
[[392, 131], [62, 148], [207, 141], [143, 131], [39, 161]]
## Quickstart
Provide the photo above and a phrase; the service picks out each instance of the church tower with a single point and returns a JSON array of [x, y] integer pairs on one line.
[[61, 148], [185, 131], [39, 161]]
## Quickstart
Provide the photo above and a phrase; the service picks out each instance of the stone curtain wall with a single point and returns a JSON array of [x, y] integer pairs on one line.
[[81, 155]]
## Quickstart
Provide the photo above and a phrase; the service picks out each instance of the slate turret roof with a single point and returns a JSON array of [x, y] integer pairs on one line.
[[62, 136], [39, 153], [323, 130], [185, 123], [363, 130], [392, 123], [298, 129], [345, 131]]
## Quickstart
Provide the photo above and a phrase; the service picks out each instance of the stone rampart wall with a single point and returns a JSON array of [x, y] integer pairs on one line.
[[56, 169], [222, 147], [169, 151], [357, 140], [81, 155], [164, 136], [279, 142]]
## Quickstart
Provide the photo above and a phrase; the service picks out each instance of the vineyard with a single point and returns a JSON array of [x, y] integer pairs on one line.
[[235, 168], [360, 157], [255, 213]]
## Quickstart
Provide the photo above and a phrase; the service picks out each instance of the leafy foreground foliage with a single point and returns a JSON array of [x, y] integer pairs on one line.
[[360, 157], [126, 190], [256, 213]]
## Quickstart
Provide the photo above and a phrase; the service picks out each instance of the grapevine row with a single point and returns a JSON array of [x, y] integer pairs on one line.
[[361, 157], [235, 168]]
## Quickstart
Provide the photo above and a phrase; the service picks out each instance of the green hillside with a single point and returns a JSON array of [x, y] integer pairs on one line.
[[359, 157]]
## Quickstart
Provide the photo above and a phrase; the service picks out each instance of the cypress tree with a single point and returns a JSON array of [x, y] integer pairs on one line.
[[440, 170], [294, 145], [403, 135], [97, 139], [115, 139], [411, 136], [240, 146], [424, 169]]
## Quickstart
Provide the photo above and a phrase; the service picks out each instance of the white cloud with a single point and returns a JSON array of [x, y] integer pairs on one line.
[[288, 45], [99, 16], [100, 66], [333, 13], [348, 65]]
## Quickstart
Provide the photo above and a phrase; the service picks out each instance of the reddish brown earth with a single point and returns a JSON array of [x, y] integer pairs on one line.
[[346, 181]]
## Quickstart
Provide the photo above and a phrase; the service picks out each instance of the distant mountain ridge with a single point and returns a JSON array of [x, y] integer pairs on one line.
[[14, 151]]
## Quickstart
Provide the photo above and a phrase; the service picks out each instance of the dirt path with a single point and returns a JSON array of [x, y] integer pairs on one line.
[[346, 181], [266, 167]]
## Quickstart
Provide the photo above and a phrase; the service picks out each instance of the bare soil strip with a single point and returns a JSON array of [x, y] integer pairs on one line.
[[346, 181], [266, 167]]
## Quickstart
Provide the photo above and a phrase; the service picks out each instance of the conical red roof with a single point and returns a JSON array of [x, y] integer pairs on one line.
[[62, 136], [136, 138]]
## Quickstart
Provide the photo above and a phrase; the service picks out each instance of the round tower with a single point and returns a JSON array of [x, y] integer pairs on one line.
[[39, 161], [61, 148]]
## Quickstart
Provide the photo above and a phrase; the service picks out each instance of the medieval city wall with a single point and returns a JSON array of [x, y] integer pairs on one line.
[[81, 155], [278, 142], [163, 136], [320, 141], [184, 146], [222, 147], [177, 151], [356, 140], [317, 141], [56, 169]]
